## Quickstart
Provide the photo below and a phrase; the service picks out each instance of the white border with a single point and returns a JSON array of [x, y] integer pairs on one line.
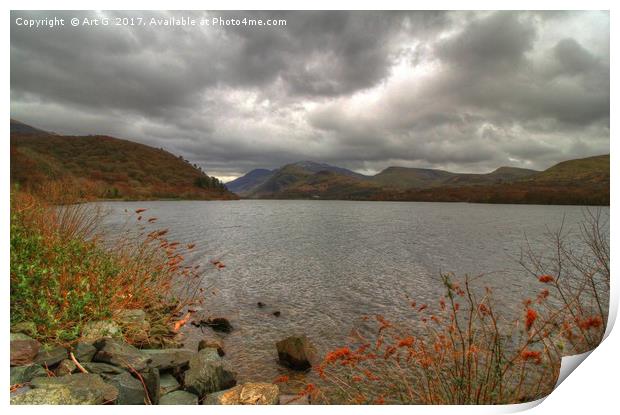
[[592, 389]]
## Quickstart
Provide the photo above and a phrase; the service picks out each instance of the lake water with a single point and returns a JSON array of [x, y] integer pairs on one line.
[[326, 264]]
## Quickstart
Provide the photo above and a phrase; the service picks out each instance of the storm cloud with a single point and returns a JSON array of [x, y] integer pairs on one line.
[[465, 91]]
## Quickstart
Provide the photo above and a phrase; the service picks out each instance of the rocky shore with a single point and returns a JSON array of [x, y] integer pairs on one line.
[[103, 369]]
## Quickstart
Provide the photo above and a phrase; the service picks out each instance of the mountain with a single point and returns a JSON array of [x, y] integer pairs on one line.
[[583, 181], [252, 179], [106, 167]]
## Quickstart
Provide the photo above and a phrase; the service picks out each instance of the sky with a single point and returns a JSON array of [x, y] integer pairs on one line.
[[461, 91]]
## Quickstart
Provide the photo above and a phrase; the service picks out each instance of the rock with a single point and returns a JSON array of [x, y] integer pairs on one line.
[[130, 389], [294, 400], [134, 324], [276, 313], [95, 330], [51, 356], [246, 394], [151, 379], [225, 397], [208, 373], [78, 389], [20, 336], [164, 359], [218, 324], [25, 327], [23, 374], [121, 354], [259, 394], [260, 305], [84, 352], [167, 384], [103, 369], [66, 367], [296, 352], [179, 398], [214, 344], [64, 396], [23, 350]]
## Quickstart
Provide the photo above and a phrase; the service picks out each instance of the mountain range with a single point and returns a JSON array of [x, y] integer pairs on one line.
[[581, 181]]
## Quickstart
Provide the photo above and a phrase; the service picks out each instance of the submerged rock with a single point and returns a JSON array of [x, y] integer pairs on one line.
[[208, 373], [179, 398], [218, 324], [130, 389], [164, 359], [24, 349], [260, 304], [296, 352], [51, 356], [118, 353], [276, 313], [23, 374]]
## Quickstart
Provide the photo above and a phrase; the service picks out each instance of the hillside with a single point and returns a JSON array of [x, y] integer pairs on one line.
[[250, 180], [582, 181], [106, 167]]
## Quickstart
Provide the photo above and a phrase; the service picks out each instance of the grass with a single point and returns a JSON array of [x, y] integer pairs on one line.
[[63, 275]]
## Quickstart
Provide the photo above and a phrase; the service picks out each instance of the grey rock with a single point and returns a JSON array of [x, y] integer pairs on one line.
[[66, 367], [23, 374], [164, 359], [296, 352], [23, 349], [95, 330], [168, 383], [84, 352], [20, 336], [179, 398], [151, 379], [208, 373], [246, 394], [25, 327], [225, 397], [134, 324], [103, 369], [119, 353], [130, 389], [215, 344], [51, 356], [78, 389]]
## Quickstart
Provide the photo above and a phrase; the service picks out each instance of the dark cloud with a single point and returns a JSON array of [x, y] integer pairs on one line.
[[462, 90]]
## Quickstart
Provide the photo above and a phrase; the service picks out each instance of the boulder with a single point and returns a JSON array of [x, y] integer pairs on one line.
[[25, 327], [164, 359], [208, 373], [296, 352], [78, 389], [66, 367], [121, 354], [23, 374], [225, 397], [130, 389], [214, 344], [150, 377], [179, 398], [51, 356], [259, 394], [95, 330], [103, 369], [168, 383], [23, 349], [84, 352], [246, 394], [134, 324]]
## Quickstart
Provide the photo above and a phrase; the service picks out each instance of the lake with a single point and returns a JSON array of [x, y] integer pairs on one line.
[[326, 264]]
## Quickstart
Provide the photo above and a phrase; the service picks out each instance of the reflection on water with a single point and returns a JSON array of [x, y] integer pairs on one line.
[[326, 264]]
